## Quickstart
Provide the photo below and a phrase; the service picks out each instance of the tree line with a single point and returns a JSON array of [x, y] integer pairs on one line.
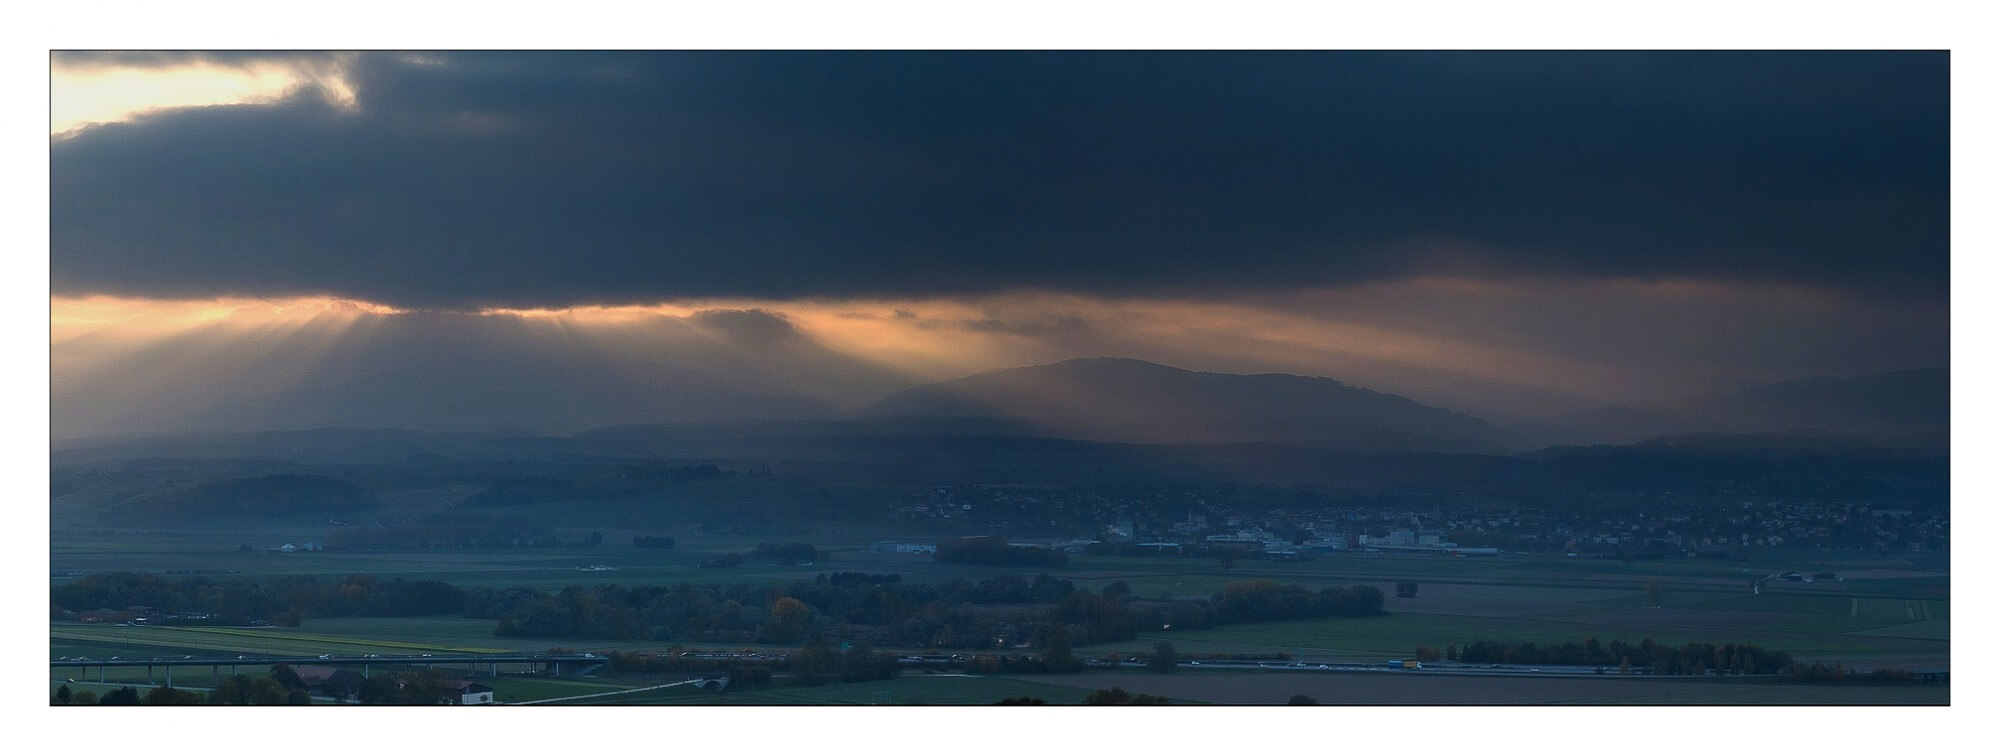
[[282, 687], [1003, 611], [880, 610], [1646, 656], [284, 600]]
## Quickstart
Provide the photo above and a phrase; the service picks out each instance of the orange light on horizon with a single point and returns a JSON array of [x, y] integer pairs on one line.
[[129, 318], [1420, 335]]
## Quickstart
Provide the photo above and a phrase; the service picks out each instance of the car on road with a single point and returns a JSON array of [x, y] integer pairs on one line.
[[322, 656]]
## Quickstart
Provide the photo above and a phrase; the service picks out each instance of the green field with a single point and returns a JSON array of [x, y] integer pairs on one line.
[[906, 690], [1805, 695], [1890, 612]]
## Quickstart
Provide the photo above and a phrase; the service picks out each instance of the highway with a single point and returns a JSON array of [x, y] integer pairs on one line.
[[331, 660], [583, 663]]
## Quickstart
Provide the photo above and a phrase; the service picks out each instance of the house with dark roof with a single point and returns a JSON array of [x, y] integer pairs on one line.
[[468, 693], [343, 684]]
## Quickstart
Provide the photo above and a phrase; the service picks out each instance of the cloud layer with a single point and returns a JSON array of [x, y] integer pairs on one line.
[[1502, 351], [471, 180]]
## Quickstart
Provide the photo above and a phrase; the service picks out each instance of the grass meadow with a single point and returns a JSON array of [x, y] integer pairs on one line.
[[1889, 611]]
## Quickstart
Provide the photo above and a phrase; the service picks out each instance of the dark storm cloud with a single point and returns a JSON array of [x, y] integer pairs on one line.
[[549, 179]]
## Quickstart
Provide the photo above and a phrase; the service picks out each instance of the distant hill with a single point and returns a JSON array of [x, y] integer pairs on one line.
[[1906, 404], [252, 498], [1133, 401]]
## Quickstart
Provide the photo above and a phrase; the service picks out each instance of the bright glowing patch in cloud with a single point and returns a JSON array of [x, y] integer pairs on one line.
[[81, 96], [140, 319]]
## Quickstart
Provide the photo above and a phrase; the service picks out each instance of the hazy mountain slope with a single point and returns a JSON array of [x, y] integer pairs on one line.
[[1110, 399], [237, 499], [1901, 403]]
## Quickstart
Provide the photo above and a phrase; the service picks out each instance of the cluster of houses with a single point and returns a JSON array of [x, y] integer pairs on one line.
[[900, 547], [1665, 521]]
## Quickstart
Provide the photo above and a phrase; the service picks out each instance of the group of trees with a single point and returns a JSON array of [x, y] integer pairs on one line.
[[1819, 674], [882, 610], [857, 606], [774, 553], [282, 600], [1646, 656], [1164, 660], [1265, 600], [787, 553], [990, 550], [63, 696], [283, 687], [1118, 697]]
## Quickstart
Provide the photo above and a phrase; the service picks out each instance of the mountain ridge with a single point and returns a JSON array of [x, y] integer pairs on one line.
[[1135, 401], [1911, 402]]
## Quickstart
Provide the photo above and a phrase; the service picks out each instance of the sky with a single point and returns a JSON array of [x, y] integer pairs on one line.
[[554, 241]]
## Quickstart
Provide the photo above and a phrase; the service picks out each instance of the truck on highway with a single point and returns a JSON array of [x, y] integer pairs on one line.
[[1405, 664]]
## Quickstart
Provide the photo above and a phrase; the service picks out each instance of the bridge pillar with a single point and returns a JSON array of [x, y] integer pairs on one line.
[[100, 673], [364, 671], [170, 675]]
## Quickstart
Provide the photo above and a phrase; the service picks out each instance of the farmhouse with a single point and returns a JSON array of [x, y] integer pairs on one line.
[[343, 684], [469, 693]]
